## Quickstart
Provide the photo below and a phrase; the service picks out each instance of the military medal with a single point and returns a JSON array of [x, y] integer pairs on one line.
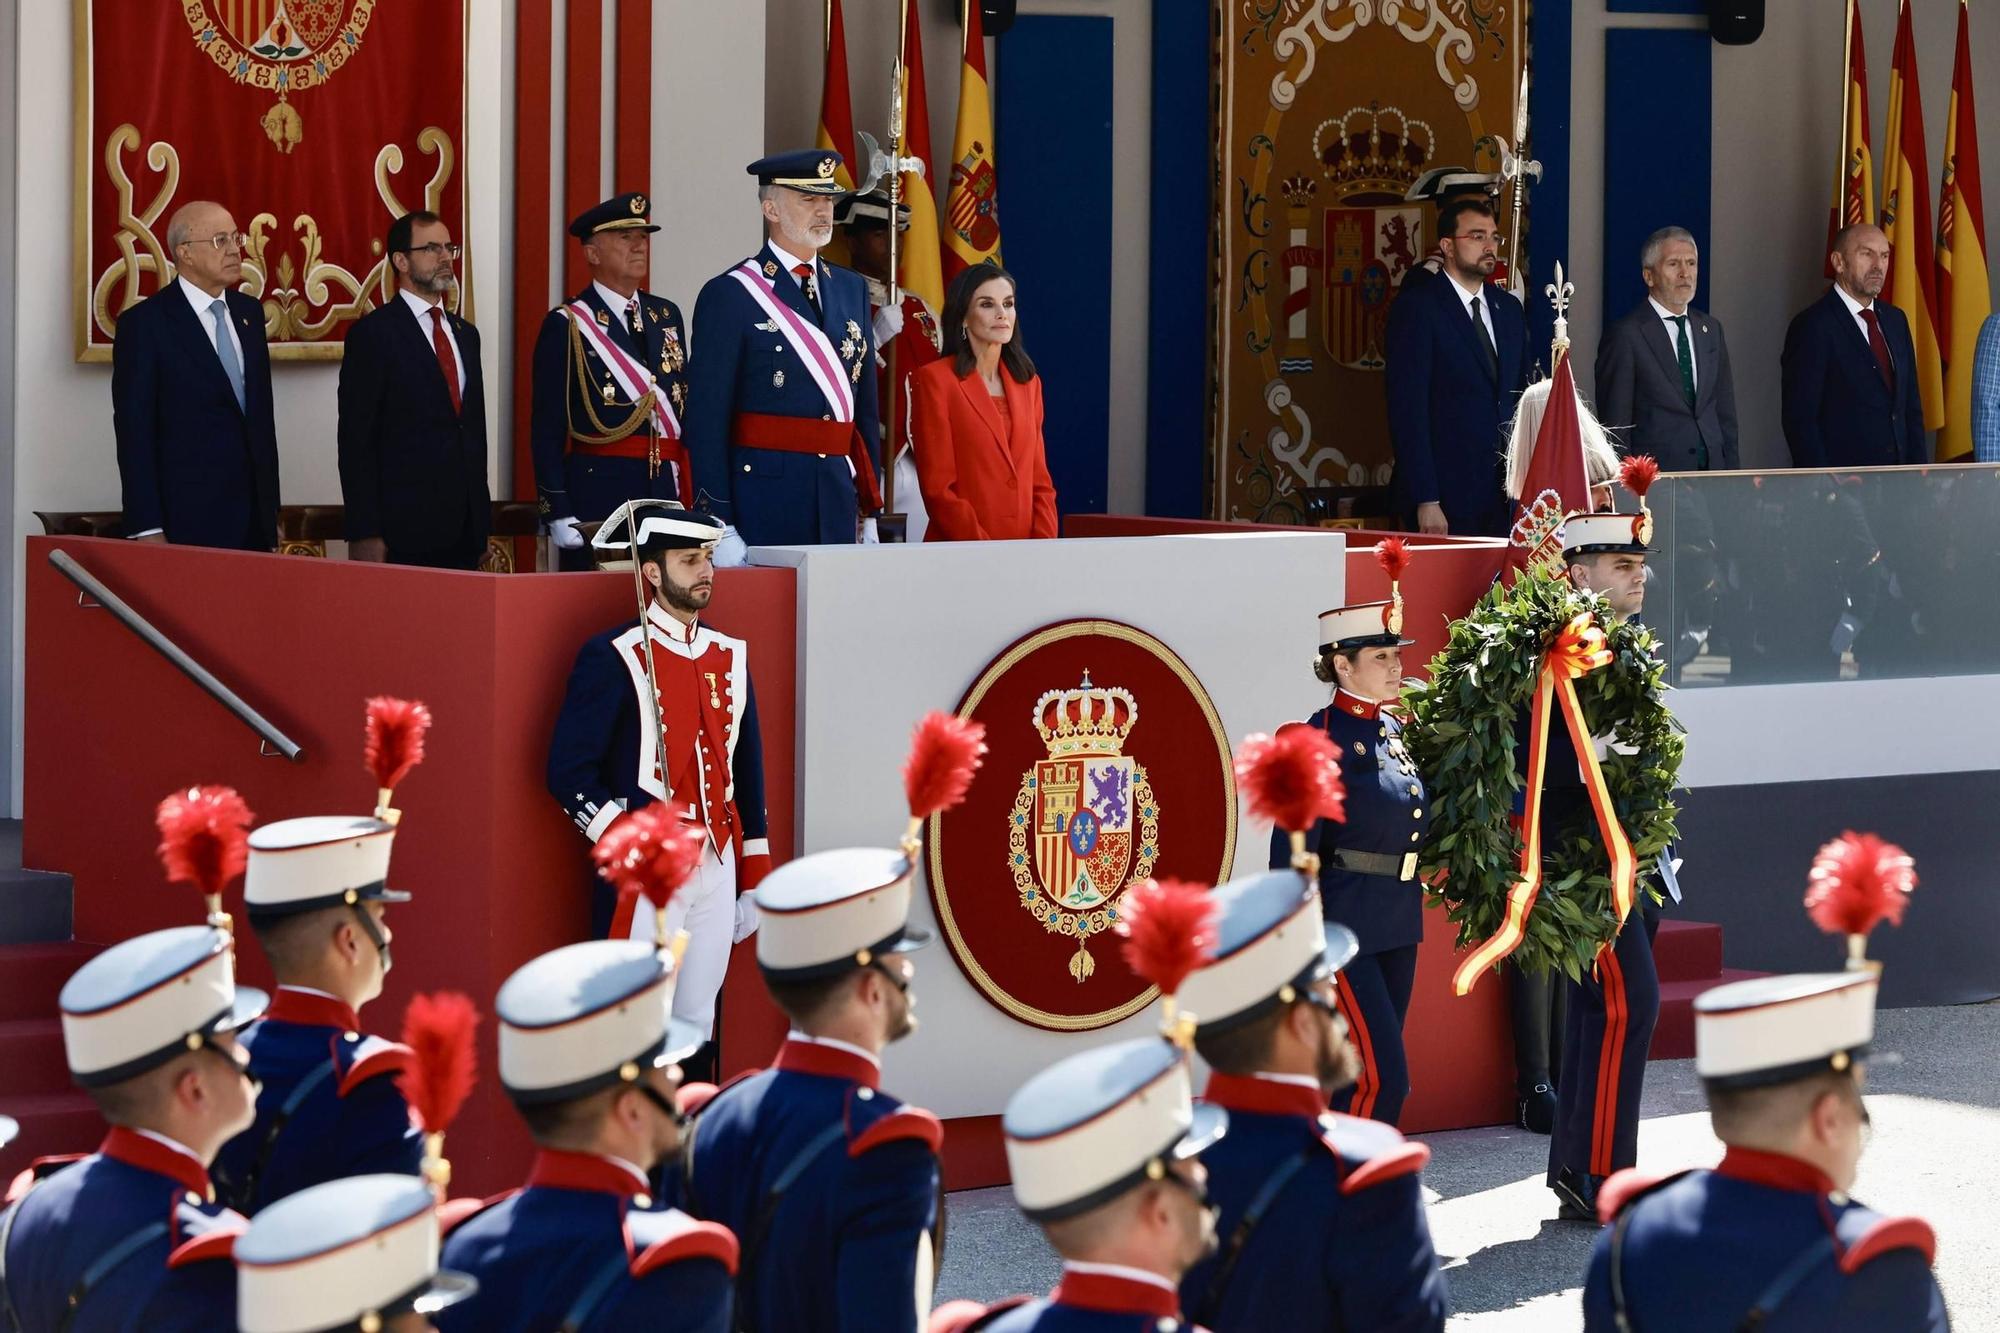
[[603, 320], [770, 268], [777, 379], [714, 699], [610, 392]]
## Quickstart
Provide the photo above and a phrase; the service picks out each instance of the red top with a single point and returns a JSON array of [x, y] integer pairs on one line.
[[980, 457]]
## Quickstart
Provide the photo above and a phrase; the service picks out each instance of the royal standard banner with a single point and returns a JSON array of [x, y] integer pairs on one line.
[[1328, 112], [315, 122]]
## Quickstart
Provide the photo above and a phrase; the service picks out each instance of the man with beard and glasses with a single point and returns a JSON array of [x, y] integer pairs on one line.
[[784, 431], [1322, 1215], [831, 1184], [412, 434], [664, 711]]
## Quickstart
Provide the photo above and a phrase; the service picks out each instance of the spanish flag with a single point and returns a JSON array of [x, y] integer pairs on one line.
[[836, 115], [1854, 183], [971, 211], [1906, 218], [1963, 297], [917, 265]]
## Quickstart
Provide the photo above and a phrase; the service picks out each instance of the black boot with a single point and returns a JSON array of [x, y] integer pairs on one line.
[[1577, 1196], [1531, 1001]]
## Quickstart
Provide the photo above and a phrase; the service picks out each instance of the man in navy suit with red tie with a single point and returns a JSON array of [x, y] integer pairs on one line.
[[1850, 367], [191, 398], [413, 415]]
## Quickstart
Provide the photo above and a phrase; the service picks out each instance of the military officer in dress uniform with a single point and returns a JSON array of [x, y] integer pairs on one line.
[[1104, 1150], [132, 1236], [784, 431], [316, 891], [357, 1254], [832, 1184], [611, 385], [1322, 1214], [1769, 1239], [908, 326], [1368, 864], [606, 754], [588, 1052]]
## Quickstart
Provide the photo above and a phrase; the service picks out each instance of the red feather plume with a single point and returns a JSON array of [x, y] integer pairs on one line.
[[1293, 778], [1169, 930], [650, 851], [395, 743], [945, 751], [204, 837], [1393, 554], [1857, 882], [1638, 472], [438, 1030]]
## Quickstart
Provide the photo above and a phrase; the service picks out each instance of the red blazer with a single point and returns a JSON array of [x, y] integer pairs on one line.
[[979, 482]]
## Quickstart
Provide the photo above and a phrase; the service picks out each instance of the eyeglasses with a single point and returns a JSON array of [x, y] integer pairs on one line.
[[1479, 236], [225, 240], [436, 250], [895, 975]]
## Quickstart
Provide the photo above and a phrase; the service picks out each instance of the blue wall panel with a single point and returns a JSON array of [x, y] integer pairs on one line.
[[1549, 47], [1657, 148], [1177, 408], [1052, 141]]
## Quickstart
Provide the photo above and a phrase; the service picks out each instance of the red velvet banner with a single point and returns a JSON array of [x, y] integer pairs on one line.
[[315, 122], [1106, 764]]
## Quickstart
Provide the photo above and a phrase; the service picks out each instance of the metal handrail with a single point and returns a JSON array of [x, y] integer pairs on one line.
[[276, 740]]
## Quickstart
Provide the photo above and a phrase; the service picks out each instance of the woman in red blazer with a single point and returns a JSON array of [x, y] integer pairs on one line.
[[976, 420]]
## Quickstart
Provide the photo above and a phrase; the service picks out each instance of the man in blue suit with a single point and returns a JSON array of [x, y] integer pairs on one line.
[[783, 430], [191, 398], [1850, 367], [413, 415], [1457, 356]]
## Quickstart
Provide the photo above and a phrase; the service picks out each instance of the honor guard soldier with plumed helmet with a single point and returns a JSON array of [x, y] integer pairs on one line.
[[589, 1052], [1104, 1150], [317, 894], [610, 385], [132, 1236], [1770, 1236], [1322, 1215], [833, 1185], [784, 431], [1368, 863]]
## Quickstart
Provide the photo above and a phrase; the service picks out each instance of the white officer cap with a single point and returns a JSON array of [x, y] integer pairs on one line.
[[832, 911], [1088, 1128], [1271, 944], [347, 1254], [1769, 1030], [587, 1016], [302, 865], [1594, 534], [139, 1004], [1363, 625]]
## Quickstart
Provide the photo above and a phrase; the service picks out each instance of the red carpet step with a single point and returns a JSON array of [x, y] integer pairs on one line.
[[35, 1088], [1688, 955]]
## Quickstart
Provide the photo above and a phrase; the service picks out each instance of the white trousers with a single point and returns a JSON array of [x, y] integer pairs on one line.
[[706, 909]]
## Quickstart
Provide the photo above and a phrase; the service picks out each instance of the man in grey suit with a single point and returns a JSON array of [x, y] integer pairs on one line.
[[1663, 380]]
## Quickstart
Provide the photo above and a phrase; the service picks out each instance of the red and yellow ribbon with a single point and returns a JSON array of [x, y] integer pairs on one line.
[[1578, 650]]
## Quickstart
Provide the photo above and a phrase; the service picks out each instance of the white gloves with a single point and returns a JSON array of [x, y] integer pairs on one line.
[[563, 532], [730, 552], [888, 323], [869, 536], [746, 919]]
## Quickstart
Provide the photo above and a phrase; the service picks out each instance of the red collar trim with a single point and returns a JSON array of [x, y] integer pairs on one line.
[[1263, 1096], [555, 1169], [1353, 705], [147, 1154], [1774, 1169], [804, 1057], [312, 1011], [1115, 1295]]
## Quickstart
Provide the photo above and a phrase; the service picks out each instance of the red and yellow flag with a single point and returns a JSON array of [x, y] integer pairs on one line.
[[1854, 183], [836, 115], [917, 265], [972, 206], [1906, 218], [1964, 299]]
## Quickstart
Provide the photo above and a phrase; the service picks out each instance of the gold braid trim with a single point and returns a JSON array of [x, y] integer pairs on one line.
[[605, 433]]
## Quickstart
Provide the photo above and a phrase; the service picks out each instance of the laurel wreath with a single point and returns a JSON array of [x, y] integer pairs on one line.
[[1462, 737]]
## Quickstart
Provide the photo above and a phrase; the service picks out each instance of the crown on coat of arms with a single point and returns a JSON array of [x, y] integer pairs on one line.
[[1373, 149], [1088, 719], [1299, 190]]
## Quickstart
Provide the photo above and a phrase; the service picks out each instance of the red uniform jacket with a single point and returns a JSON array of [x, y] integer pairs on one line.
[[980, 481]]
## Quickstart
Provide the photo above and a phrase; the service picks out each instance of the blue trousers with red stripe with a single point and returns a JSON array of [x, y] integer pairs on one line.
[[1374, 992], [1607, 1030]]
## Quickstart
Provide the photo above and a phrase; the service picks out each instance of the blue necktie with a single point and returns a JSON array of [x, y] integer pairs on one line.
[[218, 314]]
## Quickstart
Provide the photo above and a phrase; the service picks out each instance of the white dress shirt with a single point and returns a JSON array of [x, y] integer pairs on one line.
[[619, 306], [1855, 308], [1674, 337], [201, 301], [790, 262], [422, 310]]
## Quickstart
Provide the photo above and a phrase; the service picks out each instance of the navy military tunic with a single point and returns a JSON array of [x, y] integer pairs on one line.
[[582, 1249], [1342, 1244], [1702, 1249], [327, 1106], [1382, 902], [849, 1243], [1090, 1298], [584, 481], [131, 1236], [746, 369]]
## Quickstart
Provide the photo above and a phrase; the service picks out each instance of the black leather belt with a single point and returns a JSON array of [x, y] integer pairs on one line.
[[1401, 867]]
